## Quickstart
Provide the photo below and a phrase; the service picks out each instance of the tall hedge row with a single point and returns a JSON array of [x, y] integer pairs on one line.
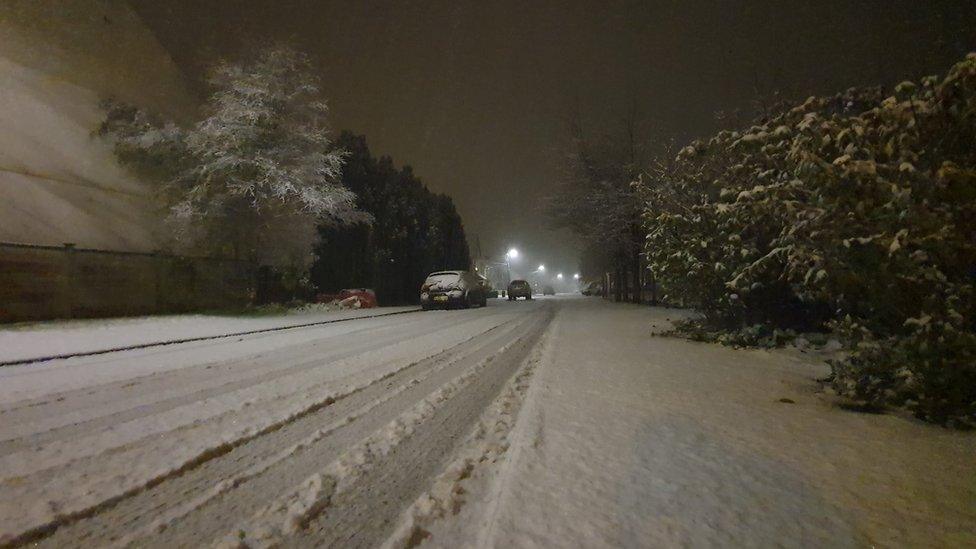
[[855, 214]]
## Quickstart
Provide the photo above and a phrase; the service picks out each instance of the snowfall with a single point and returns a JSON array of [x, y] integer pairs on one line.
[[565, 422]]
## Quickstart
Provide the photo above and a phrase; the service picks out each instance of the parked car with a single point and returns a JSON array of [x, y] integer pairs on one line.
[[519, 288], [452, 289], [593, 288], [548, 290]]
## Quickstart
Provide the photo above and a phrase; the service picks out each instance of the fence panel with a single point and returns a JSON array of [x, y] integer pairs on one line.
[[46, 282]]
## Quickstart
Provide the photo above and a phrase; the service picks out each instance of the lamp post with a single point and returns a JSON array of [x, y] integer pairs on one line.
[[491, 266], [512, 254], [539, 274]]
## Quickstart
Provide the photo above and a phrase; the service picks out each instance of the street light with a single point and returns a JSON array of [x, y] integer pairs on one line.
[[542, 268], [512, 254], [559, 276], [576, 276]]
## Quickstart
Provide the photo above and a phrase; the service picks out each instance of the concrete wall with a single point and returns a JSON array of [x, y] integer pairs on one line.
[[58, 59]]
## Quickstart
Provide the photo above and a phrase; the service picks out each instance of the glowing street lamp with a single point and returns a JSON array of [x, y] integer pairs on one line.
[[512, 254], [542, 268], [576, 276], [559, 276]]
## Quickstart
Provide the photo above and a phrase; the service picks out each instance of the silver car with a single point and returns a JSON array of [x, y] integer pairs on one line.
[[452, 290]]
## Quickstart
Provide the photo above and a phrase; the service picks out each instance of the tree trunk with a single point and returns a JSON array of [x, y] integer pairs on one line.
[[618, 285], [635, 261], [637, 278]]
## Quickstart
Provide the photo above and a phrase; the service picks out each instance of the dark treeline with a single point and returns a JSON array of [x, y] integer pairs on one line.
[[413, 232]]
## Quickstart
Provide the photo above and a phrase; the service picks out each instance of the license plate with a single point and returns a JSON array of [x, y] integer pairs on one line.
[[440, 298]]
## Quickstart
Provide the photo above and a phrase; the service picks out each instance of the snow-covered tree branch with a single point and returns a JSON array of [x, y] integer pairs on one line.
[[855, 213], [257, 174], [597, 201]]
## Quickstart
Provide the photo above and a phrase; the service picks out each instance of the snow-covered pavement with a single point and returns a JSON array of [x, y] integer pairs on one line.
[[628, 440], [559, 422]]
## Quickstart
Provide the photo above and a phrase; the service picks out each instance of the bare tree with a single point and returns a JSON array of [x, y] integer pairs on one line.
[[598, 201]]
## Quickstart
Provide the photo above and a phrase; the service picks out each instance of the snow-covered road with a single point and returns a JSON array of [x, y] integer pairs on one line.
[[558, 422], [314, 435]]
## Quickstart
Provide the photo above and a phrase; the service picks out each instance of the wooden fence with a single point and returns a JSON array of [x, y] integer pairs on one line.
[[47, 282]]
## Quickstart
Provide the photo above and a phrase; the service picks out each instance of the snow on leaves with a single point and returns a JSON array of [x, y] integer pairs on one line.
[[256, 174], [856, 211]]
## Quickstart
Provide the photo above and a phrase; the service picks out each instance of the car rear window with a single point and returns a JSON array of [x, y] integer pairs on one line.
[[442, 279]]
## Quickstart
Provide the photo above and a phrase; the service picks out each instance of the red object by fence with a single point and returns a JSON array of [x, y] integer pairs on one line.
[[365, 296], [358, 298]]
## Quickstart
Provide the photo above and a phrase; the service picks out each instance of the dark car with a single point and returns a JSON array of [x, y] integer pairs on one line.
[[548, 290], [452, 289], [519, 288]]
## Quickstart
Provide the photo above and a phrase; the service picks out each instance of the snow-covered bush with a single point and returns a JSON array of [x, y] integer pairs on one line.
[[855, 213], [255, 176]]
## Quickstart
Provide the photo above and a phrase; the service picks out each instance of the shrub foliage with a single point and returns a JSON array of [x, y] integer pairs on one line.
[[854, 213]]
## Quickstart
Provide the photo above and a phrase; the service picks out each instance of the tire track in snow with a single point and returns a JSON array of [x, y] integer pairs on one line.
[[73, 508], [138, 346], [485, 447], [339, 504], [227, 484], [239, 401], [520, 439], [74, 413]]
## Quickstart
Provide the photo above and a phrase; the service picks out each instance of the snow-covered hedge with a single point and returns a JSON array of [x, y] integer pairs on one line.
[[854, 213]]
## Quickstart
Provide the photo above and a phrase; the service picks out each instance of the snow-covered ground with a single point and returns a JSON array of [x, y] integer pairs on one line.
[[179, 445], [43, 339], [628, 440], [553, 423]]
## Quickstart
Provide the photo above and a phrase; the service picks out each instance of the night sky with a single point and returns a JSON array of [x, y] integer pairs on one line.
[[476, 95]]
